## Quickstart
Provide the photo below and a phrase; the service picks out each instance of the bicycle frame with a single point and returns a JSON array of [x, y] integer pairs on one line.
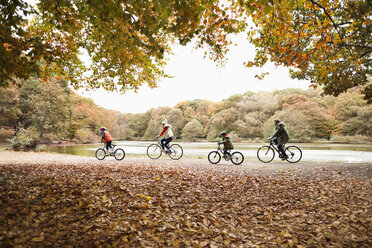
[[221, 150], [274, 147], [235, 157], [293, 153], [115, 151], [112, 149], [175, 151]]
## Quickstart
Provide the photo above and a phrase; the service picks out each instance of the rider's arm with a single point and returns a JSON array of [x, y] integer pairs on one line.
[[162, 132], [279, 129], [102, 136]]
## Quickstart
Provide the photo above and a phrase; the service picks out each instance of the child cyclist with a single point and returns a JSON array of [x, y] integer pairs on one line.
[[106, 138], [227, 144], [168, 136]]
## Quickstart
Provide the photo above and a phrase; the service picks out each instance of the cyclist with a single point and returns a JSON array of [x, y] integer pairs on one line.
[[280, 138], [106, 138], [168, 135], [227, 144]]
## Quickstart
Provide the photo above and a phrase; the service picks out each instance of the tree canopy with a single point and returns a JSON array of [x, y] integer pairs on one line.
[[126, 40], [326, 42]]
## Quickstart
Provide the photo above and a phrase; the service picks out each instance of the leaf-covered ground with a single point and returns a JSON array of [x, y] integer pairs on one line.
[[57, 203]]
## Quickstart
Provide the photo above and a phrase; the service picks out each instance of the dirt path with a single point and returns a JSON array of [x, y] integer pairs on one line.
[[304, 169]]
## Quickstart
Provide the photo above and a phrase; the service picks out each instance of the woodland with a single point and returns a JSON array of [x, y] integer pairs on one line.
[[50, 112], [324, 42], [50, 200]]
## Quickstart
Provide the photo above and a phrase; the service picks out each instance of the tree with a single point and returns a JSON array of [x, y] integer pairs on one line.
[[192, 131], [19, 51], [299, 129], [121, 127], [326, 42], [353, 113], [9, 106], [139, 124], [175, 118], [125, 40], [221, 121], [321, 123], [360, 124], [250, 126], [45, 106]]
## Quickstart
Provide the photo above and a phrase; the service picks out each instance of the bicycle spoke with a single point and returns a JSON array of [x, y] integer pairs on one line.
[[100, 154], [237, 158], [294, 154], [154, 151], [119, 154], [214, 157], [176, 152], [265, 154]]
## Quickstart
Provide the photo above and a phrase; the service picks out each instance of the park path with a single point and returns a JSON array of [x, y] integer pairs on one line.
[[275, 168]]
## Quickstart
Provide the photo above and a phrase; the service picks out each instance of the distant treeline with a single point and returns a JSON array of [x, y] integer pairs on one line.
[[44, 112]]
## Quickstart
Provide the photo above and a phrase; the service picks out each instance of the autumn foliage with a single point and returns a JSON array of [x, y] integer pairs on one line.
[[127, 42], [325, 42], [112, 205]]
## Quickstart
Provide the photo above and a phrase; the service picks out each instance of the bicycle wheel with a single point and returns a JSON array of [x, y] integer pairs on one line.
[[119, 154], [237, 158], [100, 154], [214, 157], [176, 151], [154, 151], [265, 154], [294, 154]]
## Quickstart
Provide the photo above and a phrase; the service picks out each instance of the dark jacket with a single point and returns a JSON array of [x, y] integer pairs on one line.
[[227, 144], [281, 134]]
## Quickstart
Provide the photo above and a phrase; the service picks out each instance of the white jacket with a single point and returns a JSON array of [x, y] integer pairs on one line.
[[167, 131]]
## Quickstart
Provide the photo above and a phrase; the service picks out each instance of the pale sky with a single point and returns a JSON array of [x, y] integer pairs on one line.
[[196, 77]]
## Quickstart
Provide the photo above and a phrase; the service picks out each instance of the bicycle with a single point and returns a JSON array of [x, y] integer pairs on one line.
[[267, 153], [215, 156], [118, 153], [154, 151]]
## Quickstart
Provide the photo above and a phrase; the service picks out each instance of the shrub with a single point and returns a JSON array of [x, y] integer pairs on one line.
[[49, 138], [6, 133], [192, 131], [41, 148], [25, 139], [84, 136]]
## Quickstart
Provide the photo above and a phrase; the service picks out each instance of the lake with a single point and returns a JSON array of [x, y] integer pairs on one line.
[[310, 152]]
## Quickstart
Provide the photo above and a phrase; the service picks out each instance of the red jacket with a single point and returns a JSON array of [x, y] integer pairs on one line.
[[106, 136]]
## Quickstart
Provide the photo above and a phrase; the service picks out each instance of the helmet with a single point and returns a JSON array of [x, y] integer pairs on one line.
[[164, 122], [223, 133], [276, 121], [102, 128]]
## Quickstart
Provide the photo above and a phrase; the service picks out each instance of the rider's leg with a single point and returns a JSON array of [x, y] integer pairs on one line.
[[275, 140], [106, 147], [109, 147], [167, 141], [281, 149], [162, 141], [226, 153]]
